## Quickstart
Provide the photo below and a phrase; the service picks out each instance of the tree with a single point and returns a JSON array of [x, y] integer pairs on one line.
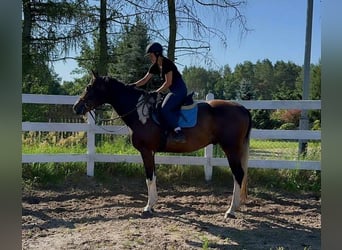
[[196, 79], [102, 65], [49, 28], [285, 77], [246, 90], [126, 60], [315, 90], [244, 71], [263, 73], [186, 14], [131, 63], [172, 29]]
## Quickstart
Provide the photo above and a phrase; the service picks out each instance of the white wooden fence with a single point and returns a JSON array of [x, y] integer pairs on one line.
[[208, 161]]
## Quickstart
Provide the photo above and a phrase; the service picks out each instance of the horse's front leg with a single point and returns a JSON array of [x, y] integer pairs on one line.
[[149, 164]]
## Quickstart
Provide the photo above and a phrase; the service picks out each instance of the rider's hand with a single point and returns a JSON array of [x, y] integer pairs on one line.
[[153, 93]]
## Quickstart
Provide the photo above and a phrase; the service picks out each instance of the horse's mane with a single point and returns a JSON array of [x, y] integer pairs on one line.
[[123, 97], [120, 84]]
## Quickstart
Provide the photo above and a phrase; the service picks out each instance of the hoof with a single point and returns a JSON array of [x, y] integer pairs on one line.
[[230, 216], [147, 213]]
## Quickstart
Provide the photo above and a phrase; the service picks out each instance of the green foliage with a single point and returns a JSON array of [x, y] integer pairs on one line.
[[246, 90], [264, 76], [126, 62], [316, 125], [200, 80], [131, 63], [205, 244], [283, 117], [46, 174], [118, 146], [51, 29], [107, 171], [286, 179], [89, 58], [196, 79], [315, 90], [261, 119], [260, 81], [288, 126], [49, 174], [48, 29]]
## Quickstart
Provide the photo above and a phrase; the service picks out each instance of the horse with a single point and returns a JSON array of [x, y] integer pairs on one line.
[[221, 122]]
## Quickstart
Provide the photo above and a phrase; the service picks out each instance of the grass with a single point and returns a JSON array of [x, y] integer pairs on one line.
[[205, 243], [50, 174], [118, 144], [46, 174]]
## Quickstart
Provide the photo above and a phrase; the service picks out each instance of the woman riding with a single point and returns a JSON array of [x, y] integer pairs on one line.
[[172, 82]]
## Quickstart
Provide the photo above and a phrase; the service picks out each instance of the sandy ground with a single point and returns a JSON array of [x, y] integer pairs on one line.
[[89, 215]]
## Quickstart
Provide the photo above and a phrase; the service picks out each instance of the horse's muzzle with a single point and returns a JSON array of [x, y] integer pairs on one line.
[[80, 108]]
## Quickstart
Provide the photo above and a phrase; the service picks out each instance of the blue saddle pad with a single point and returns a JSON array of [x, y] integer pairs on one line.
[[188, 116]]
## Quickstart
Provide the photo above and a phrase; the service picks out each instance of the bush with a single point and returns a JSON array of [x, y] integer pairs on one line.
[[288, 126], [316, 125]]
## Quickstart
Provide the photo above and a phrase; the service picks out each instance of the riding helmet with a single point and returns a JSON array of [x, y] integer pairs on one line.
[[155, 48]]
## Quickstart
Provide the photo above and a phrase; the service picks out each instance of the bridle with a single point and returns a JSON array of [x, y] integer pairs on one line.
[[145, 101]]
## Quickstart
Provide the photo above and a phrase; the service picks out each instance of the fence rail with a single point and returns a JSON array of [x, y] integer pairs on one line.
[[208, 161]]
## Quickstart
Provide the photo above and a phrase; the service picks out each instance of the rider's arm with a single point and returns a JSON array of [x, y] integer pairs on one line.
[[167, 83], [144, 80]]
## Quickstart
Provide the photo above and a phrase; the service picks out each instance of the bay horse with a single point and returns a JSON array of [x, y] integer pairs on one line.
[[218, 122]]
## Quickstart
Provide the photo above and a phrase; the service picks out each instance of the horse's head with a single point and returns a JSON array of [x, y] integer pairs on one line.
[[93, 96]]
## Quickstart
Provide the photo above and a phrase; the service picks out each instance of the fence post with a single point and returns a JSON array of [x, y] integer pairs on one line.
[[208, 151], [90, 145]]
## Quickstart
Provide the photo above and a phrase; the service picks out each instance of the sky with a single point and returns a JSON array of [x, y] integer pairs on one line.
[[277, 32]]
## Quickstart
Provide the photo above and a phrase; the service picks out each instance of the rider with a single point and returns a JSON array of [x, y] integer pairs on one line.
[[172, 82]]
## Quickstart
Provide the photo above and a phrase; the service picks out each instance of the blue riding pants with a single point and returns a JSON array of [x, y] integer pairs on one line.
[[172, 103]]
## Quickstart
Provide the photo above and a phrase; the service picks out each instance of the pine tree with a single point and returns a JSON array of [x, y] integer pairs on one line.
[[131, 63]]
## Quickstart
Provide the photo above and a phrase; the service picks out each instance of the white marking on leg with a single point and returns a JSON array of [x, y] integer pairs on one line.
[[152, 194], [235, 203]]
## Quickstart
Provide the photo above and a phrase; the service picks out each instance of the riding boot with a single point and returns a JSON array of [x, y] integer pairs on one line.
[[178, 136]]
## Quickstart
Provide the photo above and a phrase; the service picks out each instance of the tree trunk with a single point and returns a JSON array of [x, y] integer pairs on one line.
[[103, 61], [26, 36], [172, 29]]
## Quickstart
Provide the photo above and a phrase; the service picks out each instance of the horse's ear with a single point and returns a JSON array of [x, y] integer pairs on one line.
[[94, 74]]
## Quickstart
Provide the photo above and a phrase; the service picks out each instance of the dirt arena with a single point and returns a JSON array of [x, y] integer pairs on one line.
[[89, 215]]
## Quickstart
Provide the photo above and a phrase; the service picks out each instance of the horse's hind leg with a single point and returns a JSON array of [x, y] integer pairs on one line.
[[238, 162], [236, 168]]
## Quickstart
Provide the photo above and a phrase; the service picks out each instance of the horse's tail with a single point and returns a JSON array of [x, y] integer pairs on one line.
[[244, 160]]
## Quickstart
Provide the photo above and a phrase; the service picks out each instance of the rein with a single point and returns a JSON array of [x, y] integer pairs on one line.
[[142, 102]]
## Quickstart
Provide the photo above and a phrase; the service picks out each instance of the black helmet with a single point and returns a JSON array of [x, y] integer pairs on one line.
[[155, 48]]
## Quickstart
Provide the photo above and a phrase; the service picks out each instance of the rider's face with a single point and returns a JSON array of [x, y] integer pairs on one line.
[[152, 57]]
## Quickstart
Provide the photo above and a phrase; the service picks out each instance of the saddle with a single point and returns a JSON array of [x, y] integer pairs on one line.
[[187, 115], [149, 105]]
